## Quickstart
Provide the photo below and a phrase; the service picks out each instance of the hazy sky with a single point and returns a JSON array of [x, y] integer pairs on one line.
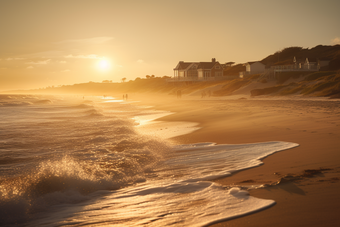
[[55, 42]]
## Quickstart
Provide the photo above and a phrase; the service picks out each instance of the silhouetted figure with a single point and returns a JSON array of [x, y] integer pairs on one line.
[[203, 94], [126, 96], [209, 93], [123, 97]]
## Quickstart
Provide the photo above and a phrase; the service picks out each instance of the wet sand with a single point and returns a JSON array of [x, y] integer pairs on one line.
[[309, 175]]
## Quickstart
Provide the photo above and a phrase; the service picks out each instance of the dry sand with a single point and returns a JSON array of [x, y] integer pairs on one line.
[[304, 197]]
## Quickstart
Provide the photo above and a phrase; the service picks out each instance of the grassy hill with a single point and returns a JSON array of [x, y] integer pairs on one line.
[[286, 56], [323, 83]]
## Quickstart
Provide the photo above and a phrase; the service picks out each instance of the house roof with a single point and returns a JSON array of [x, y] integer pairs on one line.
[[193, 66], [207, 65], [201, 65], [183, 65]]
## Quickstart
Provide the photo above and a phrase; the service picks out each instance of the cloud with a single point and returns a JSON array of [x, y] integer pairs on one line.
[[14, 59], [43, 62], [89, 41], [30, 67], [89, 56], [140, 61], [45, 54], [65, 71], [62, 62], [335, 41]]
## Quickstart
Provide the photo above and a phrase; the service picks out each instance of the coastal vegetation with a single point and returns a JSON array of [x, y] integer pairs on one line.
[[321, 84], [286, 56], [325, 82]]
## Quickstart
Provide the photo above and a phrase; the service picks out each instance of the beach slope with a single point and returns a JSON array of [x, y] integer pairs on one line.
[[304, 181]]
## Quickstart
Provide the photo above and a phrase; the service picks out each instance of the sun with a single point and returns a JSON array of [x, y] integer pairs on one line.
[[103, 64]]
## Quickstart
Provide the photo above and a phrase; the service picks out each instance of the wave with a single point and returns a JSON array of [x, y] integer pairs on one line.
[[74, 177], [83, 105], [15, 103], [93, 113], [178, 204], [22, 100], [43, 101], [57, 182], [225, 158], [5, 97], [62, 157]]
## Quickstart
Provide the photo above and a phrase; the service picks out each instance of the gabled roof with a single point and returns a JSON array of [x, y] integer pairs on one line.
[[207, 65], [201, 65], [183, 65], [193, 66]]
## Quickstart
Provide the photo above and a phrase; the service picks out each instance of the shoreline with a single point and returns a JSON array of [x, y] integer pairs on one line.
[[313, 124]]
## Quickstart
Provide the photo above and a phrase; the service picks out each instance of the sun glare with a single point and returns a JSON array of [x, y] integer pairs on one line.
[[103, 64]]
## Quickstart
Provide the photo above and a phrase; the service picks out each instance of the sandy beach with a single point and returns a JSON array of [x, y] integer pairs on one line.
[[304, 181]]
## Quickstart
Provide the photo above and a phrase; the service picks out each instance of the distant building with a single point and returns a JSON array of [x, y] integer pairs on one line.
[[254, 67], [191, 71], [305, 64], [297, 65]]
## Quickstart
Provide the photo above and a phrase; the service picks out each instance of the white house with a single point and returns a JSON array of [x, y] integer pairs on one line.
[[253, 68], [307, 64], [191, 71]]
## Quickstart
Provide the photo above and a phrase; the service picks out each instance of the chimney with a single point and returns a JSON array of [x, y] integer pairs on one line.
[[213, 60]]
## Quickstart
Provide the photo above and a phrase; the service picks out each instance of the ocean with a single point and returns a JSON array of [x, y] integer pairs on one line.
[[94, 161]]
